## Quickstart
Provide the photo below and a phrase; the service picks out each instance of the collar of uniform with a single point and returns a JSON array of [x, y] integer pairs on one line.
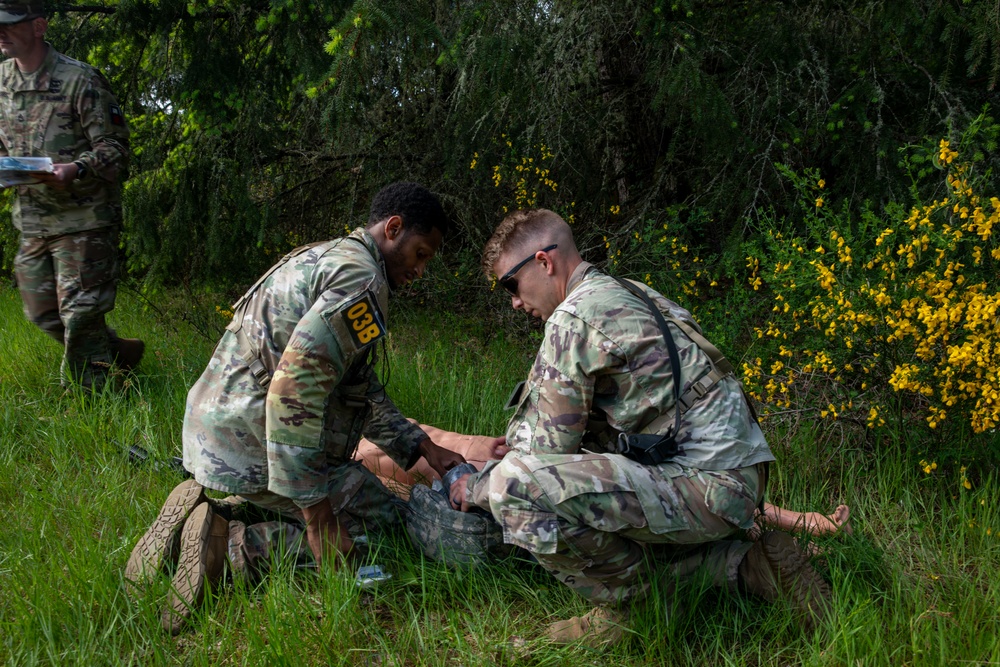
[[367, 240], [37, 80], [578, 276]]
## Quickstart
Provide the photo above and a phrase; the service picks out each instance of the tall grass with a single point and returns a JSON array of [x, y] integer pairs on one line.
[[916, 584]]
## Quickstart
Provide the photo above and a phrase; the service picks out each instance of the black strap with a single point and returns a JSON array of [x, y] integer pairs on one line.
[[675, 360]]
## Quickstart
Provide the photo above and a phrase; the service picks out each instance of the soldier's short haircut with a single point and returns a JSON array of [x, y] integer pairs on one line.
[[420, 209], [516, 229]]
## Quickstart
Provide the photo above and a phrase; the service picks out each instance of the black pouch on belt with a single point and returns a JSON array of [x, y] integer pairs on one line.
[[648, 448]]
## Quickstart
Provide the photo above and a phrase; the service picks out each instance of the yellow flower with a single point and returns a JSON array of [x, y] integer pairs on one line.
[[819, 202], [821, 184], [945, 154]]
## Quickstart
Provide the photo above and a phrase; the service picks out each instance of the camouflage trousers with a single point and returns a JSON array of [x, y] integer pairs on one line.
[[607, 527], [356, 495], [68, 284]]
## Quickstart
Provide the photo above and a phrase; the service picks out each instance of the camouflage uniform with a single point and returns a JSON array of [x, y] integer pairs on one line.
[[590, 516], [291, 387], [66, 265]]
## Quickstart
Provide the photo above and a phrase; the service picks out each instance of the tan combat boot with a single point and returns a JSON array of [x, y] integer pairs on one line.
[[600, 626], [775, 567], [204, 542], [127, 352], [159, 547]]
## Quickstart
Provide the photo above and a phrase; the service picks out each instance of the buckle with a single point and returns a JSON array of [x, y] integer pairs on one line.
[[259, 372], [694, 394]]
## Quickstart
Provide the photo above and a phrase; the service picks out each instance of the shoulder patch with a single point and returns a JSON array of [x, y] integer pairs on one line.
[[115, 114], [358, 322]]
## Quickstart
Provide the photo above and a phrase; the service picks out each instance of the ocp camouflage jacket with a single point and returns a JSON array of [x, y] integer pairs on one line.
[[66, 111], [314, 324], [603, 368]]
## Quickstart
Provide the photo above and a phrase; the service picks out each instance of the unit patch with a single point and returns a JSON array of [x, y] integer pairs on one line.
[[115, 114]]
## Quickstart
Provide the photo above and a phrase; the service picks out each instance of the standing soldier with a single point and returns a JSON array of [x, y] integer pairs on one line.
[[56, 107], [279, 411], [631, 440]]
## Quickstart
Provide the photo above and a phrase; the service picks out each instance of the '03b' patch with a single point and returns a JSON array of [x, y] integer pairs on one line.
[[358, 322]]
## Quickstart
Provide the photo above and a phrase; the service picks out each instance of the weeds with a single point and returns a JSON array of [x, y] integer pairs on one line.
[[915, 584]]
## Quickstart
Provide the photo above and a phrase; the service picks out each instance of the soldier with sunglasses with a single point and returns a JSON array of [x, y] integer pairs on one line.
[[608, 519]]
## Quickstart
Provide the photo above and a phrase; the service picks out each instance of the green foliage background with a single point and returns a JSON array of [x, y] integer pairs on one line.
[[258, 125], [670, 134]]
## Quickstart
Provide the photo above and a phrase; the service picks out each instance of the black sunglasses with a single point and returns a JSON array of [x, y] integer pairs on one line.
[[509, 282]]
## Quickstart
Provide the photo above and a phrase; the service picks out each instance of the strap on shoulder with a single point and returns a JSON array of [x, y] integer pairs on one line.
[[248, 351], [721, 367], [267, 274], [675, 361], [250, 356]]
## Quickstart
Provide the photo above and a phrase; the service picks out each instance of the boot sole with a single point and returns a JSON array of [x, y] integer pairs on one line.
[[158, 546], [800, 583], [188, 586]]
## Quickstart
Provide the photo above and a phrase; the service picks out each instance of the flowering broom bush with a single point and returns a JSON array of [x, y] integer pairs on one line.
[[885, 320], [669, 252]]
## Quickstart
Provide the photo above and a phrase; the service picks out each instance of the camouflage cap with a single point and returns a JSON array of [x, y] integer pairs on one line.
[[15, 11]]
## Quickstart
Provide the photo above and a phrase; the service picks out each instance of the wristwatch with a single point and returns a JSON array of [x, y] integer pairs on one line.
[[82, 170]]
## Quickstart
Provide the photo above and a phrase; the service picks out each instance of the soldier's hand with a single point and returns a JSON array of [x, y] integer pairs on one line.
[[439, 458], [326, 535], [456, 494], [62, 175], [499, 448]]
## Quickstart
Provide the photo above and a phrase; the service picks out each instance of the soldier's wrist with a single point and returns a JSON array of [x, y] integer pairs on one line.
[[470, 487], [477, 486], [424, 447]]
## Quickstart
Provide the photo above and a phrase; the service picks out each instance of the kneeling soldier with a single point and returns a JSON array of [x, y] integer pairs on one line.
[[291, 387], [630, 431]]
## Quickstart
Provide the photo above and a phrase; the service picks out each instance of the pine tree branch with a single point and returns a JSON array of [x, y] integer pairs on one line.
[[103, 9]]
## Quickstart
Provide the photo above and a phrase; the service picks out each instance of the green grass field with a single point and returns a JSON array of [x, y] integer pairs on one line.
[[917, 583]]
